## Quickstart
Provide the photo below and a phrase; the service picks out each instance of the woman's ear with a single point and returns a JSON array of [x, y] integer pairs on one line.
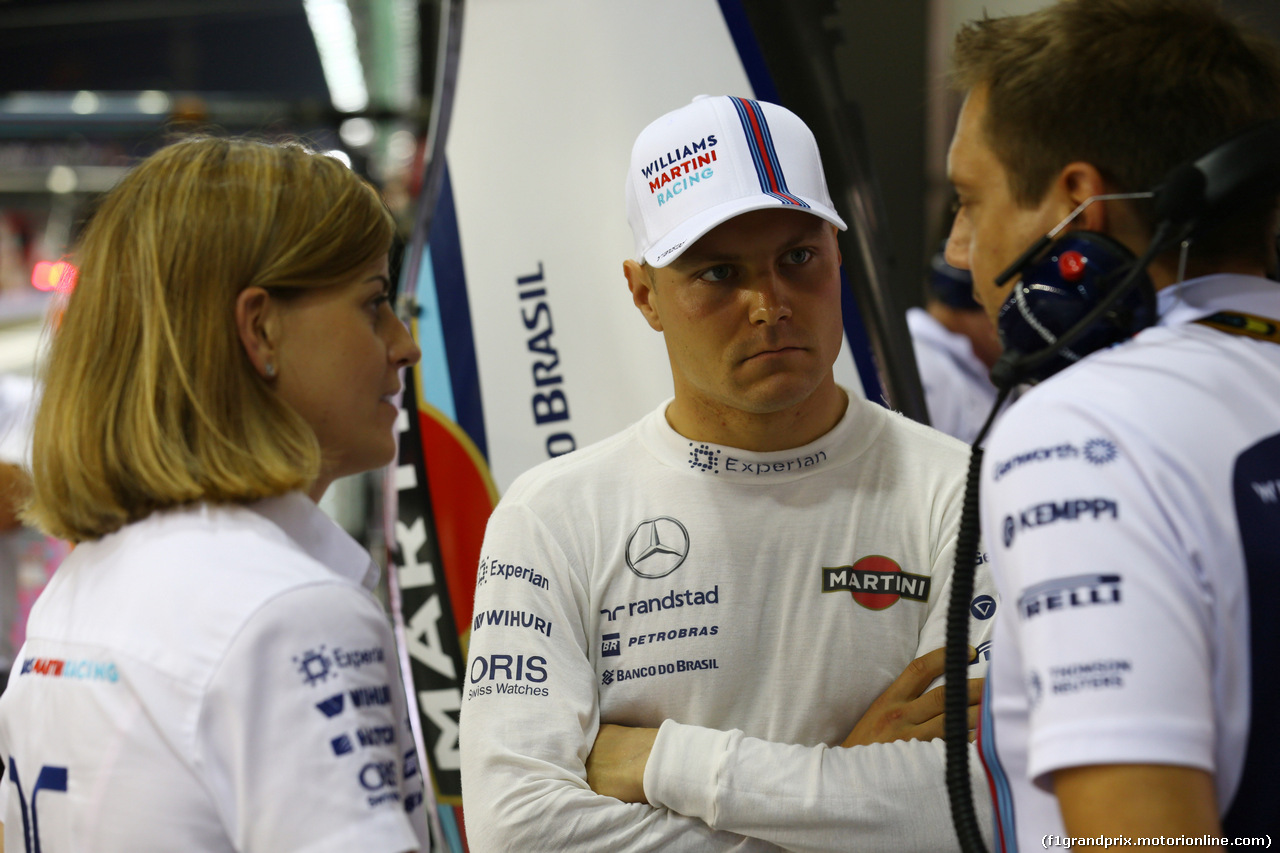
[[257, 325]]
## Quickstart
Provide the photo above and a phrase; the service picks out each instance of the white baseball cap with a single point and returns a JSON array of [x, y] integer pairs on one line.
[[715, 159]]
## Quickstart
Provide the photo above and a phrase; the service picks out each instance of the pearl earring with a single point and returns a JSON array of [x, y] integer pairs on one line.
[[270, 370]]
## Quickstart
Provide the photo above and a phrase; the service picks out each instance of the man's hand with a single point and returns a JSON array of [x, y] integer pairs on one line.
[[615, 767], [902, 713]]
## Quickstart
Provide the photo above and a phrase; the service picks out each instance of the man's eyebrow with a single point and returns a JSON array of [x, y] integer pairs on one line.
[[696, 256]]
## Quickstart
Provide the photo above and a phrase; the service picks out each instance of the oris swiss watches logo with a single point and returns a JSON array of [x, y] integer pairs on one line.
[[657, 547]]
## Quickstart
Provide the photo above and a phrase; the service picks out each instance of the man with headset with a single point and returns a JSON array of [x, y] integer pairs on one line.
[[677, 628], [1130, 503]]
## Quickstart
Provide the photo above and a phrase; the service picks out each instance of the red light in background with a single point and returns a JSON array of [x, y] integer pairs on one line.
[[54, 275]]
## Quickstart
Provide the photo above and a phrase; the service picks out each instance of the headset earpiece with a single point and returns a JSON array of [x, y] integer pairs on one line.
[[1059, 287], [1193, 198]]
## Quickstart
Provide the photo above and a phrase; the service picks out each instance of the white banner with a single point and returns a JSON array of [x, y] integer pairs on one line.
[[551, 94]]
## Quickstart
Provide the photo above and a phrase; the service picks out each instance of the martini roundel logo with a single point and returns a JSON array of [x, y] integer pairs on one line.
[[876, 582]]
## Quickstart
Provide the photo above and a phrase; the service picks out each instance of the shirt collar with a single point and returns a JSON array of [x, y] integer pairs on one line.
[[317, 534], [1196, 298]]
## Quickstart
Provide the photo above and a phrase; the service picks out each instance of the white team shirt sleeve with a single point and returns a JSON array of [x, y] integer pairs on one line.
[[302, 736], [530, 715], [882, 797], [1103, 595]]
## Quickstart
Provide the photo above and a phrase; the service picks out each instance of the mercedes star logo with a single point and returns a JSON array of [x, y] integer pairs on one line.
[[657, 547]]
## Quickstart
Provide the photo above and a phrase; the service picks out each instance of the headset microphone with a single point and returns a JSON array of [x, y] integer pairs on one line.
[[1085, 291]]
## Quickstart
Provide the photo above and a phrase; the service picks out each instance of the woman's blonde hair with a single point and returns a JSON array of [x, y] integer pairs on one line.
[[149, 399]]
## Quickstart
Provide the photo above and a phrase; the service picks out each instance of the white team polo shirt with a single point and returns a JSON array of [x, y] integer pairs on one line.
[[212, 678], [1129, 507]]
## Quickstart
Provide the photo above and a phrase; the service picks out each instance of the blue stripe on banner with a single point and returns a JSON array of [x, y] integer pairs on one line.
[[433, 369], [763, 87], [1006, 826], [449, 823], [449, 283], [735, 18], [855, 331]]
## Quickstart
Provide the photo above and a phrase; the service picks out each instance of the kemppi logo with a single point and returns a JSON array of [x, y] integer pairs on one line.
[[1051, 512]]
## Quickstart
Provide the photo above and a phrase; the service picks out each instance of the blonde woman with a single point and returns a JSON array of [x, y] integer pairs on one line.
[[208, 670]]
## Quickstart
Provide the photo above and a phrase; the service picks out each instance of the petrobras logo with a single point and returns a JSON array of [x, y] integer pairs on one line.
[[711, 460], [1095, 451], [376, 735], [342, 745], [1071, 593], [77, 670], [610, 645], [365, 738], [657, 547], [876, 582], [1051, 512], [673, 634]]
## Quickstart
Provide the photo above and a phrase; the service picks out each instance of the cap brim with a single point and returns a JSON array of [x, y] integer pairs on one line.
[[675, 242]]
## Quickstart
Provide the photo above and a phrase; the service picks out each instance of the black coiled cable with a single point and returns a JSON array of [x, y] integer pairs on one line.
[[956, 691]]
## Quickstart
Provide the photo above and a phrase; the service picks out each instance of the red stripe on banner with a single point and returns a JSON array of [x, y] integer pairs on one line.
[[462, 497]]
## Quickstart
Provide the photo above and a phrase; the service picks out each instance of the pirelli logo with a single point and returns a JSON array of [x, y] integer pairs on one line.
[[876, 582]]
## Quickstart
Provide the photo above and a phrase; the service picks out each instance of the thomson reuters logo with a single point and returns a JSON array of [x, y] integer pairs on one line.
[[657, 547]]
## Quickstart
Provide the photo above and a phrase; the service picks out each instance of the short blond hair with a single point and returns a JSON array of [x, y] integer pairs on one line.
[[149, 399]]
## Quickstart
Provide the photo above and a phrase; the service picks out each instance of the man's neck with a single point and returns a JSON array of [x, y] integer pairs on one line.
[[1164, 272], [699, 419]]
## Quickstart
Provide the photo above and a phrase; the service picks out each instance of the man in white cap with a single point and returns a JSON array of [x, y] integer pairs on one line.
[[679, 628]]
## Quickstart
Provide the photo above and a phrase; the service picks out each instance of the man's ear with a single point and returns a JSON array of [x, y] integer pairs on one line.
[[1077, 182], [640, 283], [257, 325]]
